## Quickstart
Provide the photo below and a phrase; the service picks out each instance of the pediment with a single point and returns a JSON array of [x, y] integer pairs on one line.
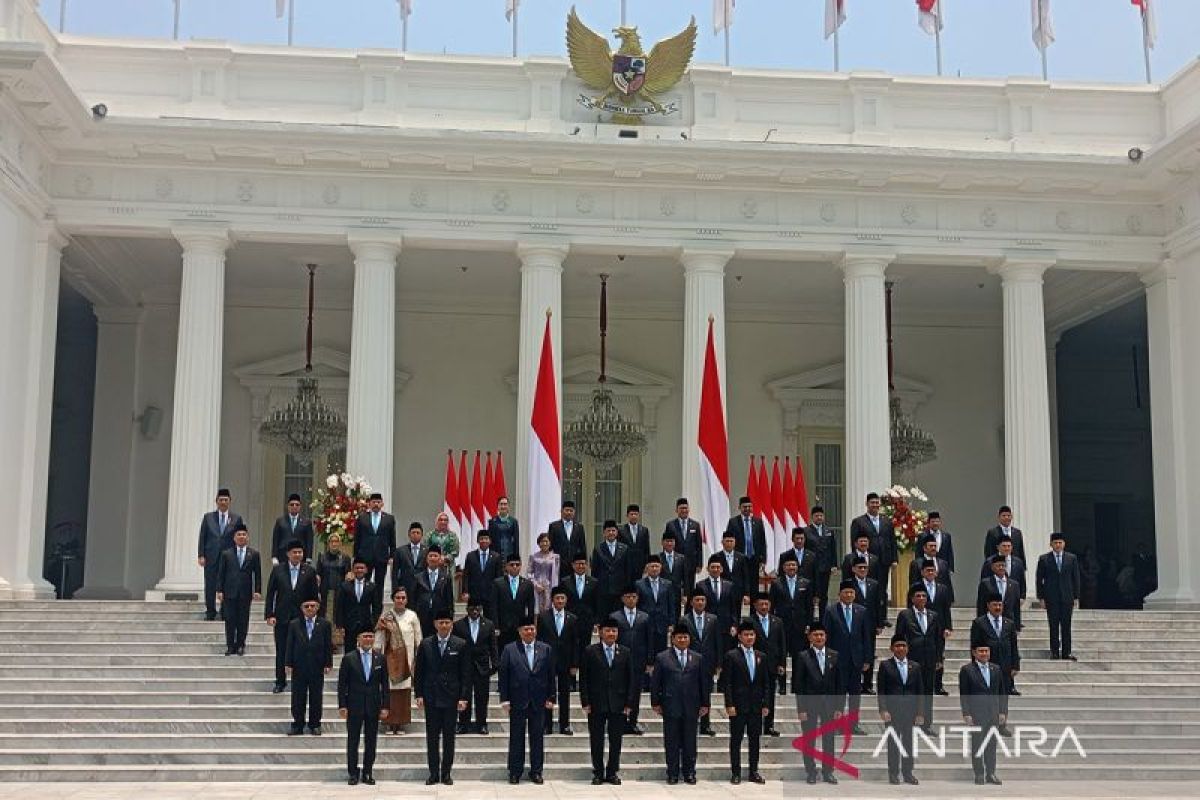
[[817, 397], [274, 378]]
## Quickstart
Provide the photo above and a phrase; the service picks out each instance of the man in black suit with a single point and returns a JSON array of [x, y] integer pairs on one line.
[[848, 631], [610, 568], [861, 551], [375, 541], [441, 683], [704, 636], [289, 527], [723, 600], [687, 542], [290, 584], [805, 557], [927, 549], [750, 539], [635, 536], [635, 632], [922, 629], [744, 683], [1058, 583], [659, 598], [1014, 569], [943, 540], [309, 659], [770, 639], [582, 601], [409, 559], [680, 693], [792, 600], [818, 683], [216, 536], [505, 531], [609, 683], [362, 703], [735, 569], [822, 540], [991, 541], [479, 634], [239, 581], [984, 704], [526, 684], [433, 591], [999, 633], [901, 693], [481, 568], [999, 583], [567, 538], [674, 569], [869, 594], [512, 597], [559, 628], [355, 609], [941, 599], [882, 538]]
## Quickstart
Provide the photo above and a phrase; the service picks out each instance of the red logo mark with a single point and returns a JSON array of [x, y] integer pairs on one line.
[[809, 743]]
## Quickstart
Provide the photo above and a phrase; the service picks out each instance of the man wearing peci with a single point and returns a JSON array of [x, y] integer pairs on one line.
[[1058, 583], [512, 597], [433, 591], [818, 683], [582, 601], [441, 681], [901, 707], [848, 632], [674, 569], [375, 542], [526, 683], [635, 536], [479, 633], [984, 703], [659, 598], [704, 636], [820, 538], [680, 693], [942, 538], [409, 558], [362, 703], [239, 581], [481, 568], [750, 539], [309, 659], [792, 601], [687, 543], [609, 682], [634, 631], [567, 538], [559, 628], [355, 609], [770, 639], [290, 584], [746, 689], [216, 536], [882, 538], [610, 568], [804, 556], [292, 525], [1004, 527]]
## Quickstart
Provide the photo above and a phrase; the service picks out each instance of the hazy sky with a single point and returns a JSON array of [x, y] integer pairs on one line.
[[1098, 40]]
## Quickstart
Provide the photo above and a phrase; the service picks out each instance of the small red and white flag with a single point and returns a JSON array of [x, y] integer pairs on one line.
[[280, 8], [792, 517], [450, 502], [713, 449], [835, 15], [781, 531], [723, 14], [801, 494], [489, 491], [764, 501], [752, 483], [464, 497], [545, 447], [1043, 24], [477, 513], [510, 8], [929, 15], [1149, 24]]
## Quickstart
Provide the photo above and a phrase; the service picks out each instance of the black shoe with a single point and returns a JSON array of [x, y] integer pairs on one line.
[[829, 777], [352, 780], [295, 730], [757, 778], [614, 780], [911, 780], [210, 616], [927, 730], [690, 780], [598, 781], [1014, 693], [242, 651], [1070, 658], [460, 729], [228, 651], [566, 731], [708, 731], [671, 781], [1004, 731], [859, 730], [483, 729], [447, 780], [432, 780], [368, 779], [868, 690], [514, 779], [979, 781], [942, 693], [771, 732], [277, 688], [1020, 628], [735, 780], [992, 779], [812, 779], [536, 777], [549, 731], [638, 730], [315, 730], [894, 780], [887, 624]]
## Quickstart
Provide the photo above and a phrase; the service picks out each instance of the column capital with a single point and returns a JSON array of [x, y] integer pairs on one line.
[[118, 315], [1155, 274], [54, 238], [375, 248], [1021, 270], [865, 263], [542, 255], [206, 239], [701, 260]]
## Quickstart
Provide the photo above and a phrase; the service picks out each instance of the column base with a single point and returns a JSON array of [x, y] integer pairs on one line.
[[42, 590], [1173, 601], [102, 593], [158, 595]]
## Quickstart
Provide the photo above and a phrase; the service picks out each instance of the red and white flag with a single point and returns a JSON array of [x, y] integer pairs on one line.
[[510, 8], [477, 513], [450, 503], [801, 493], [713, 449], [791, 517], [835, 15], [464, 497], [1149, 24], [782, 531], [929, 15], [545, 448], [722, 14], [1043, 25], [501, 489], [406, 12], [763, 500], [489, 491], [752, 484], [280, 8]]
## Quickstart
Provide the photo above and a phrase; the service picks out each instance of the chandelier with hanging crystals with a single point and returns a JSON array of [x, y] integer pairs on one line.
[[911, 446], [308, 426], [600, 434]]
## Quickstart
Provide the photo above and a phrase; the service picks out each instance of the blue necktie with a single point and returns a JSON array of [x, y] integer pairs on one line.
[[310, 628], [749, 538], [903, 665], [529, 656], [558, 623], [987, 675], [1058, 558], [849, 614], [766, 626], [750, 663], [512, 585], [242, 557], [366, 659], [608, 655]]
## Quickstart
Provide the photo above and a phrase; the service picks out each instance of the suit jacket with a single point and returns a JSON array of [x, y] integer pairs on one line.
[[665, 610], [310, 657], [874, 601], [481, 652], [928, 647], [479, 578], [727, 608], [807, 568], [608, 690], [991, 542], [427, 601], [282, 533], [882, 544], [1017, 573], [902, 699], [946, 549], [1012, 598], [941, 602], [796, 612], [739, 574], [239, 582], [943, 570], [509, 610], [521, 686], [758, 532], [568, 547], [677, 571], [565, 646], [584, 608], [819, 693], [680, 691], [282, 601], [353, 614], [1005, 653], [691, 548], [748, 695], [213, 539], [404, 568], [611, 570], [774, 643], [708, 644], [441, 680], [855, 645], [874, 565], [636, 637], [983, 702], [1055, 587], [506, 536], [822, 541], [361, 694], [639, 551], [374, 547]]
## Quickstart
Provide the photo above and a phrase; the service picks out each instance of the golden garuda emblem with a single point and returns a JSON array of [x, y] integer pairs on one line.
[[629, 75]]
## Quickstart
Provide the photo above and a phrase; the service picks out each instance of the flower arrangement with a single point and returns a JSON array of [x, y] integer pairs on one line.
[[897, 503], [337, 506]]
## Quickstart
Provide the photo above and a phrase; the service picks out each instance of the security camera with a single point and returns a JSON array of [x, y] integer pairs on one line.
[[99, 111], [1135, 154]]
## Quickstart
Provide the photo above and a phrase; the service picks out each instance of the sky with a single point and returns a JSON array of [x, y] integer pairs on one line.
[[1097, 40]]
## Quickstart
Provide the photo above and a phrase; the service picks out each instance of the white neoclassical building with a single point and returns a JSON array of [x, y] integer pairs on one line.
[[154, 288]]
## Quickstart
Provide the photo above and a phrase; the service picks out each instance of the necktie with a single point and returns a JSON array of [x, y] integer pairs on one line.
[[375, 520], [529, 656], [432, 579], [241, 556], [512, 587], [862, 589], [441, 647], [765, 622], [579, 582], [558, 623], [358, 587], [929, 587], [921, 620], [654, 589], [1058, 558], [682, 656], [366, 662], [699, 626], [608, 655], [749, 539], [631, 616], [987, 675], [996, 625], [612, 548], [821, 661], [483, 558], [875, 522], [1000, 586], [295, 576], [474, 631], [293, 523], [223, 522], [716, 584], [749, 662], [310, 628], [848, 613], [792, 588], [903, 665], [670, 562], [416, 553]]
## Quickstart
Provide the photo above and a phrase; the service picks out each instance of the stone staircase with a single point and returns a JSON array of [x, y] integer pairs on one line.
[[130, 691]]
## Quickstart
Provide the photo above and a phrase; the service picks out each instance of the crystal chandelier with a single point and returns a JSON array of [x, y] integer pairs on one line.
[[307, 427], [600, 434], [911, 446]]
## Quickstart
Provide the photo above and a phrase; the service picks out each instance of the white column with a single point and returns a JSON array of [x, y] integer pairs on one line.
[[541, 291], [196, 410], [1027, 462], [29, 525], [1172, 430], [703, 297], [371, 410], [868, 436], [1052, 393]]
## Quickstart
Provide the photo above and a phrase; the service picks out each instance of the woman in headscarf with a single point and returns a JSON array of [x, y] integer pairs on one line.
[[397, 635]]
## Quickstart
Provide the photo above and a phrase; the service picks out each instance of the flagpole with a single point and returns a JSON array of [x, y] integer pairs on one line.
[[1042, 45], [403, 29], [937, 36], [291, 20], [62, 16], [176, 28], [622, 13], [836, 55], [727, 42], [1146, 43], [514, 20]]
